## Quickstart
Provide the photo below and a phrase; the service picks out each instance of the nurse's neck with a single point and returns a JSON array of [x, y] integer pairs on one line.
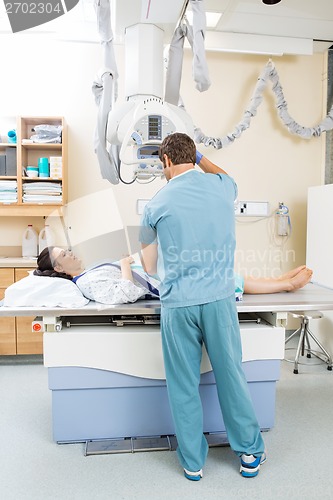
[[180, 169]]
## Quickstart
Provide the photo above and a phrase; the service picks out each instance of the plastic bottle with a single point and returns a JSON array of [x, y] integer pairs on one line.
[[46, 238], [30, 242]]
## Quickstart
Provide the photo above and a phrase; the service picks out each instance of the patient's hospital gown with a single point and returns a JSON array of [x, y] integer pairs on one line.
[[105, 284]]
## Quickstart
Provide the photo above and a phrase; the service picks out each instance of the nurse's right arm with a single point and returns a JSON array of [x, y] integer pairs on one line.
[[148, 239], [149, 258]]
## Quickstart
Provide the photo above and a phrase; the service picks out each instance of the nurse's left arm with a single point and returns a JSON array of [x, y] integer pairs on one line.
[[149, 257]]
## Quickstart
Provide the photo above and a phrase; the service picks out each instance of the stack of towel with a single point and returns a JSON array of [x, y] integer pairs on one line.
[[8, 191], [47, 133], [42, 192]]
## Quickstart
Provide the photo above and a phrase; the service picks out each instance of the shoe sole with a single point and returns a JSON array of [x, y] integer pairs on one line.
[[192, 477], [247, 471], [250, 474]]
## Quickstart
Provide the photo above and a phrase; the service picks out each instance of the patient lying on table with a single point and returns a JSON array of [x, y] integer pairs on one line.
[[125, 282]]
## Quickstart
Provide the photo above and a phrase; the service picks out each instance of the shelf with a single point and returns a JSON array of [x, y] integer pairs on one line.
[[41, 204], [8, 145], [30, 210], [41, 179], [37, 120], [8, 177], [47, 145]]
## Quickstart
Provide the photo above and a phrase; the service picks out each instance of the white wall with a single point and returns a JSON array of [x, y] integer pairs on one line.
[[44, 77]]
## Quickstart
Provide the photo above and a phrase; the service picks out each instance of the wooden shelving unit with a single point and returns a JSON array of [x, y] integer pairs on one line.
[[28, 154]]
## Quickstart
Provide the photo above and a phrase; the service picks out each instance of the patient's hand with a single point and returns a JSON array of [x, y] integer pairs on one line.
[[127, 259]]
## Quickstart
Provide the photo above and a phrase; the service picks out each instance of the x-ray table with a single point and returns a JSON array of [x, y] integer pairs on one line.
[[106, 370]]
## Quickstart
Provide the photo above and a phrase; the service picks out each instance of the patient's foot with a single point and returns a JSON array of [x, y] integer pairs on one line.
[[300, 279], [292, 273]]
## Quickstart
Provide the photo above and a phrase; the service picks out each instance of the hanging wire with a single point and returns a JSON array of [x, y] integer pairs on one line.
[[268, 73]]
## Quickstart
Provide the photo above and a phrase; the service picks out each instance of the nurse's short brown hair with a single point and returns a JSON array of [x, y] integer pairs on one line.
[[180, 148]]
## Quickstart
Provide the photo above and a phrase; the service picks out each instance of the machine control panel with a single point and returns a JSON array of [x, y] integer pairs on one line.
[[154, 127], [148, 151], [141, 131]]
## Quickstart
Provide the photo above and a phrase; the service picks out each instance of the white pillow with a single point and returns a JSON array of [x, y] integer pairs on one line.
[[44, 291]]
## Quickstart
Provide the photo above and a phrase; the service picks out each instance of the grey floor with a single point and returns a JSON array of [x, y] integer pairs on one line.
[[32, 466]]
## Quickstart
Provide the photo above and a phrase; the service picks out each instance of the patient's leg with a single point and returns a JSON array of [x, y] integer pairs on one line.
[[275, 285]]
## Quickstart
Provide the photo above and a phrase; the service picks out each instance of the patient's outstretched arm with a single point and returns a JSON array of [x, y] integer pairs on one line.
[[125, 266], [293, 280]]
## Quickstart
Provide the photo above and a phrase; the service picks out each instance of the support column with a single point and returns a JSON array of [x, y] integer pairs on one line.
[[329, 134]]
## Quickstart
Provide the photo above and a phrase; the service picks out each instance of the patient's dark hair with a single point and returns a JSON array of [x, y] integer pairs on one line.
[[45, 266]]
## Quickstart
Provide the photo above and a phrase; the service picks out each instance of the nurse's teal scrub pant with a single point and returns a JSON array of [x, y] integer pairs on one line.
[[184, 329]]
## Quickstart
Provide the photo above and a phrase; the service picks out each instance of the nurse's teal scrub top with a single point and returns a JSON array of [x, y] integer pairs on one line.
[[195, 258]]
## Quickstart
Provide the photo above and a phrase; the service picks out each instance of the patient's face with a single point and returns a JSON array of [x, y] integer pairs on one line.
[[66, 262]]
